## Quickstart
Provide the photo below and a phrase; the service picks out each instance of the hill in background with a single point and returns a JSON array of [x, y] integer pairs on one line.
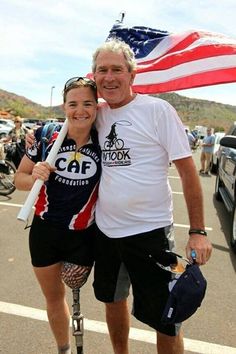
[[192, 111], [19, 105], [202, 112]]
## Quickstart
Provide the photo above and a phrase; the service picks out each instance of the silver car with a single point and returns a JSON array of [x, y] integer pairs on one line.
[[214, 160], [4, 130]]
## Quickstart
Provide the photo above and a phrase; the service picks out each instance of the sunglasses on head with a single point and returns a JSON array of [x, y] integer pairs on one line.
[[78, 78]]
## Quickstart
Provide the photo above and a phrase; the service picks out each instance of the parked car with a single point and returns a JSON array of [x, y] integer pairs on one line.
[[55, 120], [214, 160], [4, 130], [7, 122], [32, 123], [225, 185]]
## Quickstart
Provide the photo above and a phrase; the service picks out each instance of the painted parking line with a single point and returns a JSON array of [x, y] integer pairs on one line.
[[186, 226], [11, 204], [191, 345]]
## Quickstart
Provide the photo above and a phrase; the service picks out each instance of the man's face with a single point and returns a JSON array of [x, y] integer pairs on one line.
[[113, 78]]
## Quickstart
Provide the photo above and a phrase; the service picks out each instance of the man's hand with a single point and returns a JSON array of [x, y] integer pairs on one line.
[[202, 247]]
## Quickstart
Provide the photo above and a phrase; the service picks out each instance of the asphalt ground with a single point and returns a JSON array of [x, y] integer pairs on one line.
[[23, 325]]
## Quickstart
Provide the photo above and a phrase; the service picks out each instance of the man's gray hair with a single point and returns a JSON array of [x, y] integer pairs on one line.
[[116, 46]]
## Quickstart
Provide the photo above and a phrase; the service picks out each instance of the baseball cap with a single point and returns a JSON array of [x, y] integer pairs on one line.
[[187, 290]]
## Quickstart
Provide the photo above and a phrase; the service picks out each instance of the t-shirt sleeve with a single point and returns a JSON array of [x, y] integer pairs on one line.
[[171, 133]]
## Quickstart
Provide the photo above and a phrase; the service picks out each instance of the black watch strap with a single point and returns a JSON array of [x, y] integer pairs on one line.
[[197, 231]]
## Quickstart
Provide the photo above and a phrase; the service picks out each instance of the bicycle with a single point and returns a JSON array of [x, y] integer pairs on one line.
[[118, 143], [7, 172]]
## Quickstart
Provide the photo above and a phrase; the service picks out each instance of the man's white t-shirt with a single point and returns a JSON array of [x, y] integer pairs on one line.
[[137, 140]]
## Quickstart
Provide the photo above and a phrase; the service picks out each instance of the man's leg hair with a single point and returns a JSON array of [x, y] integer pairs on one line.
[[170, 344], [73, 275]]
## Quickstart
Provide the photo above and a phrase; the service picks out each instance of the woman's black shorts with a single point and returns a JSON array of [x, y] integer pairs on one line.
[[49, 244]]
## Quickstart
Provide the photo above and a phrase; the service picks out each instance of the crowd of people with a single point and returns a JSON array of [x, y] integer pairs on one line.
[[82, 219]]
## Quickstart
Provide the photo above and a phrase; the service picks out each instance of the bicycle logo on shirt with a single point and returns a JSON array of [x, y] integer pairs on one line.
[[112, 140], [114, 153]]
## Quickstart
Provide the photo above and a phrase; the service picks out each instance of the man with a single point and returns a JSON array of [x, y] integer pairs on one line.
[[191, 138], [207, 151], [134, 209]]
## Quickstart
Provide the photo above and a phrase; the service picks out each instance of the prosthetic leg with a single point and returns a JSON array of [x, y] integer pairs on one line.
[[76, 276], [77, 321]]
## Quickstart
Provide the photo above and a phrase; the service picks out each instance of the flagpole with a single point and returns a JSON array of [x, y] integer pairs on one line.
[[122, 16]]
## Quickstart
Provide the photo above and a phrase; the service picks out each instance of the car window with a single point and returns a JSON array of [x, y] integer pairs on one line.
[[6, 122]]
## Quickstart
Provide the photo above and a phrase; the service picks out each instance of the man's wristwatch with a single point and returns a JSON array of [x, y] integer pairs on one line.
[[198, 232]]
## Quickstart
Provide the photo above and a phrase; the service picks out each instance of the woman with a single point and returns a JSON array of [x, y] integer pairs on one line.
[[62, 232], [17, 136]]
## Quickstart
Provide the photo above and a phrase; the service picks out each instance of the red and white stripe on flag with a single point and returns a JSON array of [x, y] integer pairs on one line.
[[191, 59]]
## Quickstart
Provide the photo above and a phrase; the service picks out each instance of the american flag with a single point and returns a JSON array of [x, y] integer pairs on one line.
[[171, 62]]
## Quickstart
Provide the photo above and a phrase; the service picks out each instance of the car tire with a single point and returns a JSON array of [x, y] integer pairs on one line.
[[217, 188], [213, 167], [233, 230], [217, 166]]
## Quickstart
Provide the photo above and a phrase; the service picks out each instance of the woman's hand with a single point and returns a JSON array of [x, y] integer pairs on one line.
[[42, 171], [29, 140]]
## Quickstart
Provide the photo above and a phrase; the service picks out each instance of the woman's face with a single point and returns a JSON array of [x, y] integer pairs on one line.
[[80, 108], [17, 123]]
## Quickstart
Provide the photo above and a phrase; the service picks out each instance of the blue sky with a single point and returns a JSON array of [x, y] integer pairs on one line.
[[44, 43]]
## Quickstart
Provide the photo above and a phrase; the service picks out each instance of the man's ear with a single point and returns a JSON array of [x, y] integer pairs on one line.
[[133, 74]]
